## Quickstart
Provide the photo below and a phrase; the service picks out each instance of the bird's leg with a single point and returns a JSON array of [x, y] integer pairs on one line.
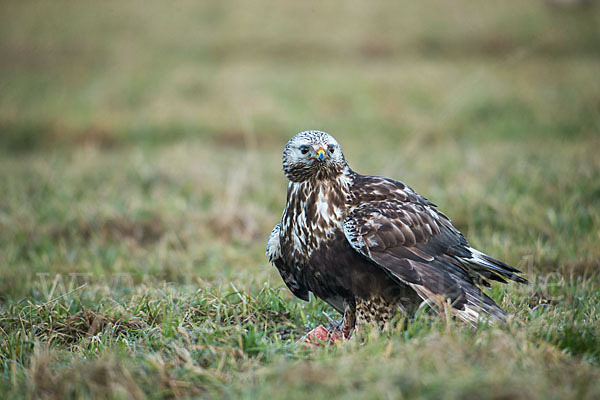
[[342, 328], [349, 320], [337, 330]]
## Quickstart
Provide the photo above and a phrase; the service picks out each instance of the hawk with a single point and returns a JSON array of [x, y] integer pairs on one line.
[[371, 246]]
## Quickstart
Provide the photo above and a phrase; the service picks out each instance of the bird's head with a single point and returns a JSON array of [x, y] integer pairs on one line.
[[312, 154]]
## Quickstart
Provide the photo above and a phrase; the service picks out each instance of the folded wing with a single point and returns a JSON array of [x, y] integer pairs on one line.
[[403, 233]]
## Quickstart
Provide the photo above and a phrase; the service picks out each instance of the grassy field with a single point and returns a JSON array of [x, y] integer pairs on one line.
[[140, 176]]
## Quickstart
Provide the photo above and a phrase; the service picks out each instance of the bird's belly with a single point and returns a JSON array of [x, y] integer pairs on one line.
[[336, 269]]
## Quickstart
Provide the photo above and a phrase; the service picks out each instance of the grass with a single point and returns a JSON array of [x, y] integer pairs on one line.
[[140, 175]]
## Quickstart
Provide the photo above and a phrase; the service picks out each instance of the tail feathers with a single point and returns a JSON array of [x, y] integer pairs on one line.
[[491, 268], [480, 307], [473, 314], [472, 306]]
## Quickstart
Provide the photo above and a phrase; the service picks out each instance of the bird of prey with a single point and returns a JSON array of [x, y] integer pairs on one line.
[[372, 247]]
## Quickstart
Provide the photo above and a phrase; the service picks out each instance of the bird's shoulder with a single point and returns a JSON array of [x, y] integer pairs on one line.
[[368, 189]]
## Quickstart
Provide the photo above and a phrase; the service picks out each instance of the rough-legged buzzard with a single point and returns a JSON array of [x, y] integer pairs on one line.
[[371, 246]]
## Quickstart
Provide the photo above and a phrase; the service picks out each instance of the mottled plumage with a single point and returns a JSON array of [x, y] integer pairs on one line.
[[371, 246]]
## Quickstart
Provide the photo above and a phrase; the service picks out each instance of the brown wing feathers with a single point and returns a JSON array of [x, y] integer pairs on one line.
[[407, 236]]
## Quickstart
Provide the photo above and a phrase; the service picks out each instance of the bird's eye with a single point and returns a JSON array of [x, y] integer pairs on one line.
[[331, 149], [304, 149]]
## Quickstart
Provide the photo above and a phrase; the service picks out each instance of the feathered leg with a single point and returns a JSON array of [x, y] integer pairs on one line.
[[376, 311], [343, 328]]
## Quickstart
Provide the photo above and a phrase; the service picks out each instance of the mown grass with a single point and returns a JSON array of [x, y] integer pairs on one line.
[[140, 151]]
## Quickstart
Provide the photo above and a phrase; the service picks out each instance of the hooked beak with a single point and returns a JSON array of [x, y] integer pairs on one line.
[[321, 155]]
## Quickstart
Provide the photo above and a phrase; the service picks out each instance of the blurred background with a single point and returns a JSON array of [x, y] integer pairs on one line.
[[145, 137]]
